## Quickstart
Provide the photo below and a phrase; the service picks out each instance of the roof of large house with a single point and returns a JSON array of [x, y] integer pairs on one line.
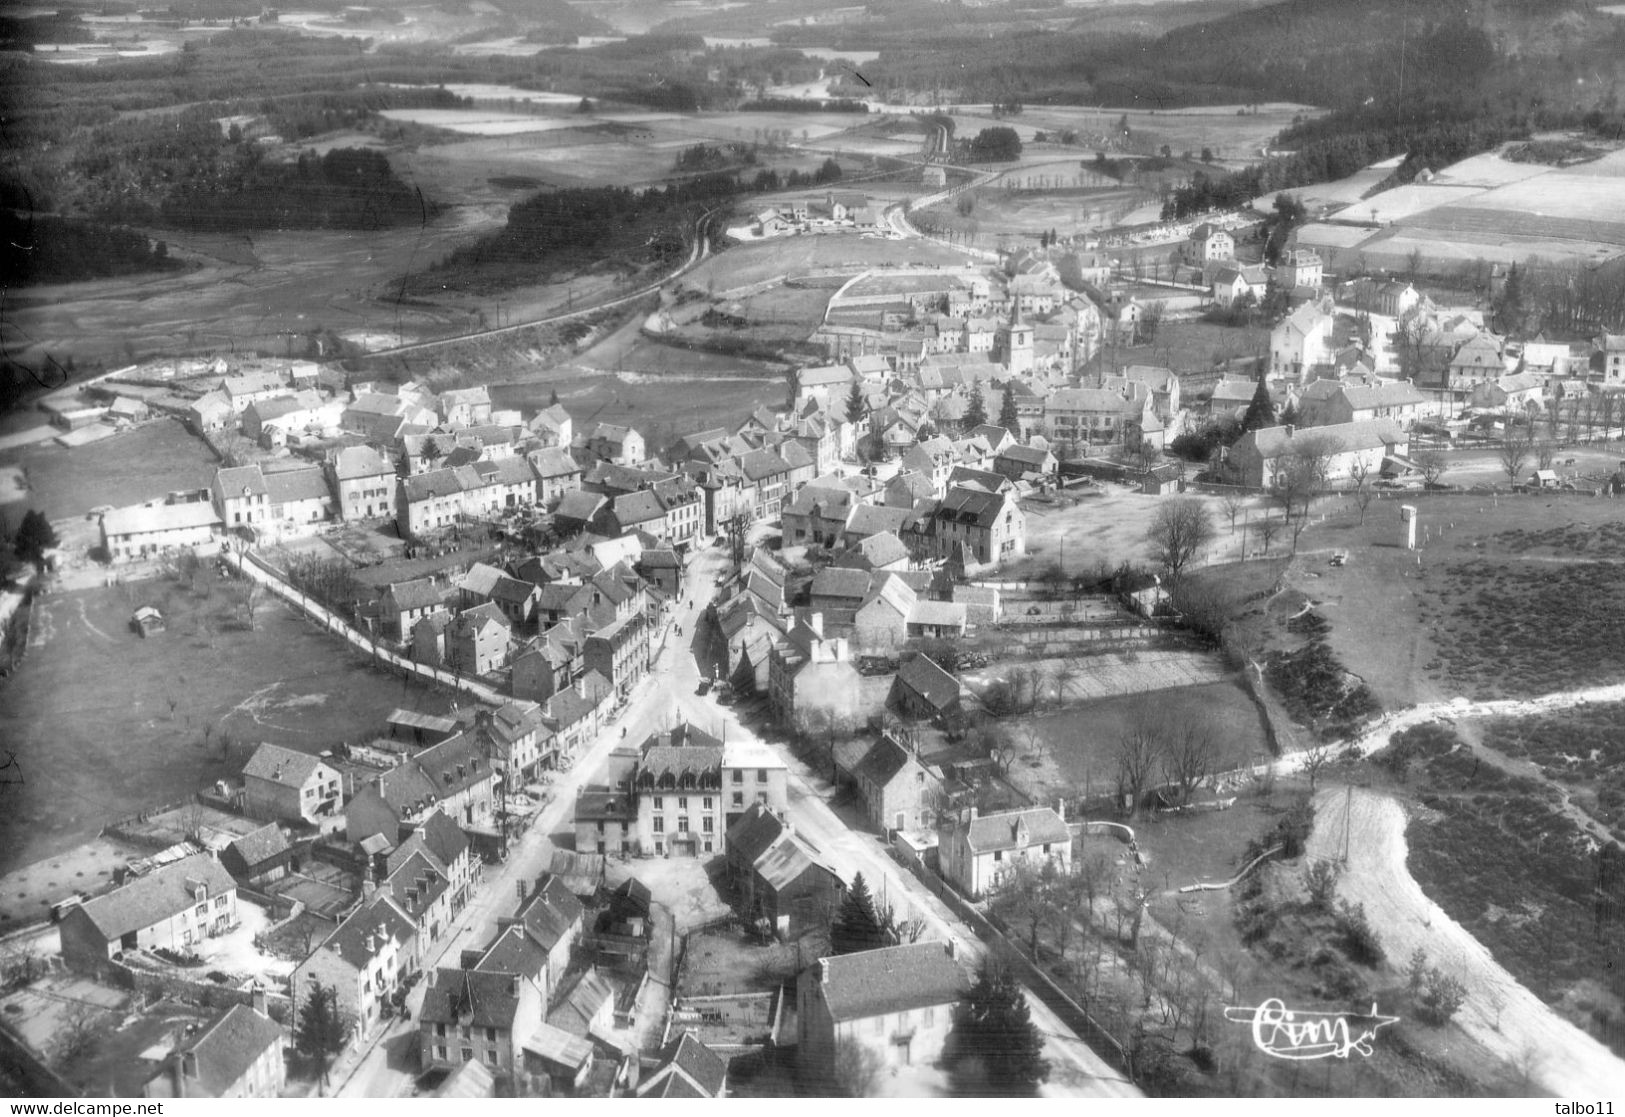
[[356, 939], [1272, 442], [580, 505], [479, 998], [1016, 830], [513, 951], [419, 593], [553, 462], [892, 979], [558, 1046], [360, 461], [924, 677], [156, 896], [1391, 393], [472, 620], [443, 837], [1091, 400], [224, 1050], [416, 884], [882, 762], [875, 551], [551, 911], [284, 766], [287, 485], [159, 517], [786, 861], [937, 614], [761, 464], [637, 508], [240, 480], [967, 505], [840, 581]]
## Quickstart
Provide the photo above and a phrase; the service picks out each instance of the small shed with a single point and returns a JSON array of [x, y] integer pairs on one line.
[[147, 621], [1160, 480], [1546, 479]]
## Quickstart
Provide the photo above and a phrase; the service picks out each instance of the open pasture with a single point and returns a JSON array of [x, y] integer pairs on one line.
[[187, 704], [155, 458]]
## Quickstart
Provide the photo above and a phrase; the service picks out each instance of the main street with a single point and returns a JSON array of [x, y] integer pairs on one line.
[[384, 1065]]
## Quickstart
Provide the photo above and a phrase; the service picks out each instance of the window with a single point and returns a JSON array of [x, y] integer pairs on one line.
[[660, 802], [739, 798], [600, 827], [707, 824], [682, 802], [660, 847], [468, 1054], [1046, 847], [440, 1053], [998, 855], [707, 802], [202, 910], [761, 797], [739, 776], [491, 1058], [466, 1033], [490, 1035], [708, 847], [761, 775], [682, 823], [219, 901], [660, 825], [440, 1031]]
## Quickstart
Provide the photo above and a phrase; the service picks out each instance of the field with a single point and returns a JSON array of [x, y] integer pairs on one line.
[[1232, 137], [1583, 749], [1413, 626], [105, 724], [744, 265], [1070, 212], [154, 459], [1079, 761]]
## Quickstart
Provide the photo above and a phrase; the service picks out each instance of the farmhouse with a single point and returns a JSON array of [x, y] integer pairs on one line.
[[174, 908], [365, 482], [149, 530], [1259, 455], [364, 961], [1331, 402]]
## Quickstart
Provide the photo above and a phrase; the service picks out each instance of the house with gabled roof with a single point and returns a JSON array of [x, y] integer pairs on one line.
[[781, 877], [174, 907], [238, 1054], [364, 961], [976, 849], [477, 1016], [687, 1069], [897, 788], [1301, 341], [282, 783], [991, 526], [561, 1060], [1258, 455], [477, 639], [423, 893], [258, 857], [365, 483], [1233, 284], [922, 689], [811, 675], [898, 1002]]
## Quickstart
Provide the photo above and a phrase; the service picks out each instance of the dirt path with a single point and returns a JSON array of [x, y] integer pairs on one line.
[[1500, 1013]]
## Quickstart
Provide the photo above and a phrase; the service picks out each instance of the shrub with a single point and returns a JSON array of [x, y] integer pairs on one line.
[[1442, 998], [1320, 879], [1360, 940]]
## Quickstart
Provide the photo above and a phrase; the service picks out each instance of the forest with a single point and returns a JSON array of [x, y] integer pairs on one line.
[[60, 250], [568, 228], [348, 188]]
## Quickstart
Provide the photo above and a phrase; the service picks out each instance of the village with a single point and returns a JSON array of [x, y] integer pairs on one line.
[[756, 747]]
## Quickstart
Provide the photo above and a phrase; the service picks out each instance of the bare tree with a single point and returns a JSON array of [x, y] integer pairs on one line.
[[1316, 757], [1545, 450], [1516, 444], [1433, 465], [1189, 754], [1178, 533], [1136, 754], [1360, 473], [1267, 529], [1233, 506], [252, 594]]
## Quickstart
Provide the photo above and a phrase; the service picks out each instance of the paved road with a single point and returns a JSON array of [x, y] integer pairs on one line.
[[385, 1066]]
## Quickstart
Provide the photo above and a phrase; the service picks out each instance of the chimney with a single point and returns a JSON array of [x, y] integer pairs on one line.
[[816, 623], [369, 888], [974, 814], [257, 998]]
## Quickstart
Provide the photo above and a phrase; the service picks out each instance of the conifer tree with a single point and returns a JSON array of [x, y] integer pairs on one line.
[[320, 1033], [1008, 419], [976, 413], [1261, 411], [857, 927], [1000, 1045]]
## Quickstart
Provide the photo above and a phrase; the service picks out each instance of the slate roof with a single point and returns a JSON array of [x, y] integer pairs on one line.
[[695, 1063], [553, 462], [882, 549], [761, 464], [281, 765], [353, 941], [580, 506], [937, 613], [355, 462], [576, 1008], [239, 481], [443, 837], [1272, 442], [882, 762], [259, 846], [922, 675], [416, 884], [970, 506], [288, 485], [514, 951], [551, 911], [754, 833], [637, 508], [838, 581], [155, 896], [1001, 831], [482, 999], [893, 979], [225, 1049], [786, 861], [872, 519], [480, 580]]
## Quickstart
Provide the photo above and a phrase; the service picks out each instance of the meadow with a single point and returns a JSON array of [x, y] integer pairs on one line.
[[104, 723]]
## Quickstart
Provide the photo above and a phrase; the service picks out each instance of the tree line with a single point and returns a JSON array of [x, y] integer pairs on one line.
[[64, 250]]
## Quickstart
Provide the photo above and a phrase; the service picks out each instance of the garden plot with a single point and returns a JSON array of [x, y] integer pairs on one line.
[[1102, 676]]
